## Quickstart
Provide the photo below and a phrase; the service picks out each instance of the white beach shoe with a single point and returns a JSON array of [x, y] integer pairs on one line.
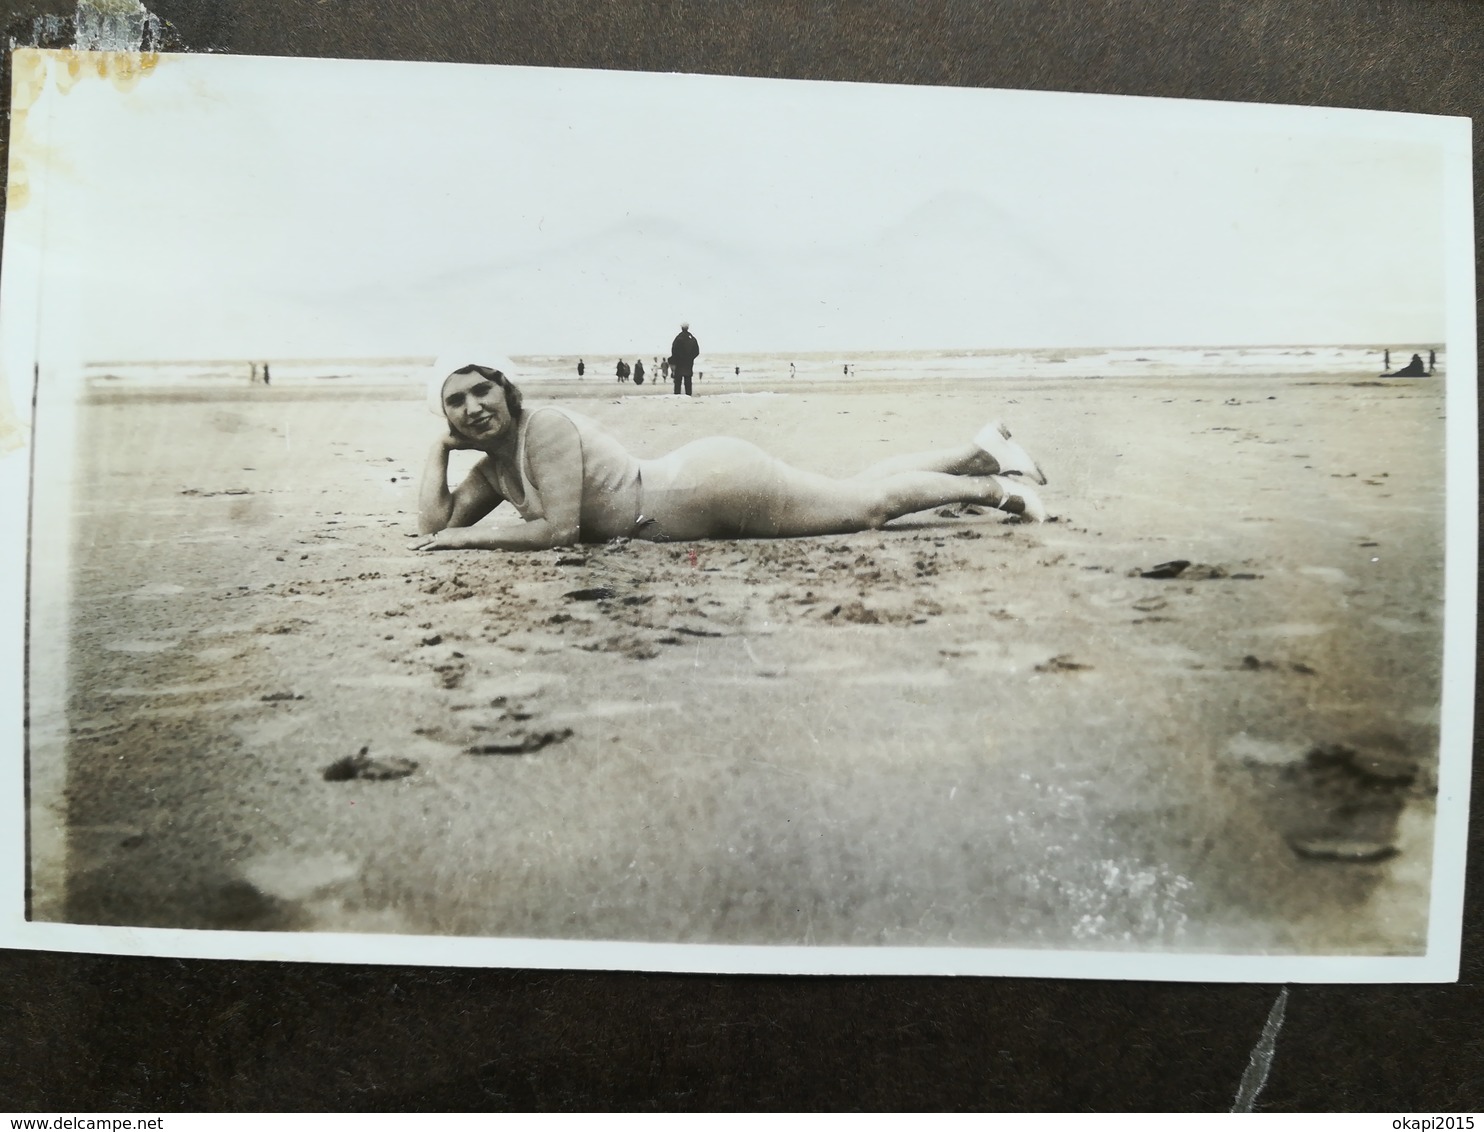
[[1013, 460], [1021, 500]]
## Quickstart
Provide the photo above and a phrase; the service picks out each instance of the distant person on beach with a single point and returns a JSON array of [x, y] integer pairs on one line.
[[1414, 368], [622, 369], [266, 380], [638, 371], [790, 369], [665, 369], [683, 354], [581, 367], [573, 482], [1432, 360], [1386, 360]]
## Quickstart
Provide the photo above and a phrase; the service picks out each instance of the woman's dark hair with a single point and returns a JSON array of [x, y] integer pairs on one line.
[[512, 391]]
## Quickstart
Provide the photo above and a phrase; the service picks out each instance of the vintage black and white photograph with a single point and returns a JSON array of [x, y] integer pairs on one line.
[[500, 515]]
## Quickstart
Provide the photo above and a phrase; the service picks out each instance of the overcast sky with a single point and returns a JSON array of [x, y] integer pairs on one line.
[[232, 207]]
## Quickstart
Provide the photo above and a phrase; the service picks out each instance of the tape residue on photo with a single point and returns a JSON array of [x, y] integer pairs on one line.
[[116, 25]]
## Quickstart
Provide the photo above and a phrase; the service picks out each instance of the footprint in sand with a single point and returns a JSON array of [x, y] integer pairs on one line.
[[536, 642], [480, 721], [1062, 662], [635, 648], [520, 741], [288, 625], [367, 769], [451, 672], [1250, 663]]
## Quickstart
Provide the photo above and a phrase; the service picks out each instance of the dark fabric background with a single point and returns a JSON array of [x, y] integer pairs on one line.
[[97, 1033]]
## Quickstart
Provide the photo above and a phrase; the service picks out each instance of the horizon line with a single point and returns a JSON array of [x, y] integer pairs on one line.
[[427, 359]]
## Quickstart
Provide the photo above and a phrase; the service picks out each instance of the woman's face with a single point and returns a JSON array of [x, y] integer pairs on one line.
[[476, 407]]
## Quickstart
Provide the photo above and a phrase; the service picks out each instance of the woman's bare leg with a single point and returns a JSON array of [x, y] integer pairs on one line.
[[726, 488], [992, 453], [802, 503], [966, 460]]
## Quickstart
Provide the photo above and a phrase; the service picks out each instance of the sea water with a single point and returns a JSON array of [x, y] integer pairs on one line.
[[777, 369]]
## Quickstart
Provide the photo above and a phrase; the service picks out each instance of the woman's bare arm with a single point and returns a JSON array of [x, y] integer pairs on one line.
[[437, 507], [536, 534], [554, 463]]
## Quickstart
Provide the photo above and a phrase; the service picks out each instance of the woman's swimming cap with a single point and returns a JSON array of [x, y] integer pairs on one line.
[[450, 363]]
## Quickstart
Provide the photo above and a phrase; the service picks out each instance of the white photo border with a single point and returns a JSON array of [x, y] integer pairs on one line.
[[1440, 963]]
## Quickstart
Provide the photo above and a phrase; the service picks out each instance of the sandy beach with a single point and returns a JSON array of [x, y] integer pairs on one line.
[[959, 730]]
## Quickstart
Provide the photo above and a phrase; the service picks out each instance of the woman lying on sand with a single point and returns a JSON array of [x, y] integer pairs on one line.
[[573, 482]]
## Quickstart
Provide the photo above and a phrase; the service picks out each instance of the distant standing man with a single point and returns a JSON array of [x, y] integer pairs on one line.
[[638, 371], [683, 354], [581, 367]]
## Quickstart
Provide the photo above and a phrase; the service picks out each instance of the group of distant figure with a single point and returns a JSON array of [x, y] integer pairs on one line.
[[1414, 368], [679, 367], [623, 371]]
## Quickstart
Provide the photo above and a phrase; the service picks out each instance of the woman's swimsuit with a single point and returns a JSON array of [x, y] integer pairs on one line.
[[611, 491], [676, 496]]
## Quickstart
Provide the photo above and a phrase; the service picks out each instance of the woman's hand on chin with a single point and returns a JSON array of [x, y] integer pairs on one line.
[[455, 441], [450, 538]]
